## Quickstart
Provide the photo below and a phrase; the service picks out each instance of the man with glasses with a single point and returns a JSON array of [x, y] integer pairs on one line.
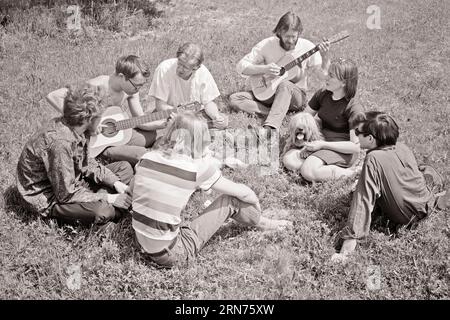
[[262, 60], [185, 79], [122, 87], [390, 181]]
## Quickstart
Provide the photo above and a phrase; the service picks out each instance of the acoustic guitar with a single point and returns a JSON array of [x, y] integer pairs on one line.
[[116, 126], [264, 86]]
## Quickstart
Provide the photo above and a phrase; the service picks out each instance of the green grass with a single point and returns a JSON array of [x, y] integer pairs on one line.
[[403, 70]]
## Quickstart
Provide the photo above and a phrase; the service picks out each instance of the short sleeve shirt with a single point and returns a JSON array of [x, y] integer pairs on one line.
[[336, 115], [173, 90], [162, 188], [269, 51]]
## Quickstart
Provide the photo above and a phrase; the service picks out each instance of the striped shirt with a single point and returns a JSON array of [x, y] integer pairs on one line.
[[162, 187]]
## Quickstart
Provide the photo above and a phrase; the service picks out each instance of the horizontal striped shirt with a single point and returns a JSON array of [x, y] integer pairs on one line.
[[163, 185]]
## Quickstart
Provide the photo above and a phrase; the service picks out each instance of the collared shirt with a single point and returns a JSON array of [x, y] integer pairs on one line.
[[391, 179], [53, 166], [269, 51]]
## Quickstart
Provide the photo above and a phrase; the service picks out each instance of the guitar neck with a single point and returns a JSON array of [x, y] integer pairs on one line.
[[336, 38], [134, 122], [300, 59]]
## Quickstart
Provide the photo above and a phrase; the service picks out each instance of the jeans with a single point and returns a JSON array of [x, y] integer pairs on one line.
[[98, 212], [194, 235], [287, 97], [134, 149]]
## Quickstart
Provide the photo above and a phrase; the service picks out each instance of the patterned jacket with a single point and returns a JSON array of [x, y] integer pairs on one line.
[[54, 167]]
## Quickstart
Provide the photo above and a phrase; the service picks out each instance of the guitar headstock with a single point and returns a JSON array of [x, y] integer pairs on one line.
[[339, 36]]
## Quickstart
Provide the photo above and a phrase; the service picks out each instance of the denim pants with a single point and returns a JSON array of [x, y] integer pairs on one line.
[[194, 235], [287, 97]]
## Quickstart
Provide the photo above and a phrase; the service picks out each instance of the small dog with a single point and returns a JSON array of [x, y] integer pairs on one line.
[[302, 128]]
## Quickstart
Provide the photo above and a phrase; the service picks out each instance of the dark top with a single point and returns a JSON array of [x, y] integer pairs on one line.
[[336, 115], [52, 166], [390, 178]]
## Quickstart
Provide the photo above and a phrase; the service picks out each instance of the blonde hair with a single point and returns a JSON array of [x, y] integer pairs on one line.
[[308, 124], [191, 51], [188, 134]]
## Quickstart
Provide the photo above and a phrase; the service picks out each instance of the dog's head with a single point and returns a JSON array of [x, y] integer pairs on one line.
[[303, 128]]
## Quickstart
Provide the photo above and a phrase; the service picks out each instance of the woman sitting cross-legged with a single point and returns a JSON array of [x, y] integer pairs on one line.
[[166, 178], [331, 157]]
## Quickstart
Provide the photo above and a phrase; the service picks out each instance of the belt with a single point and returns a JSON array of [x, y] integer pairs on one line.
[[164, 251]]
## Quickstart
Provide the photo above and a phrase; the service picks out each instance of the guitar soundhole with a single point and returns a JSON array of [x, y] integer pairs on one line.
[[282, 71], [109, 128]]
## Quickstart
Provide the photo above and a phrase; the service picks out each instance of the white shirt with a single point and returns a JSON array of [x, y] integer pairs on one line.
[[269, 51], [173, 90]]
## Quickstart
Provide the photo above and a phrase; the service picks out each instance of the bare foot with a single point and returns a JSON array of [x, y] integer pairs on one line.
[[339, 258], [444, 200], [348, 247], [273, 224]]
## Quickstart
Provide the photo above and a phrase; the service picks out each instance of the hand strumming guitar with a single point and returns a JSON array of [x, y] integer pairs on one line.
[[272, 69]]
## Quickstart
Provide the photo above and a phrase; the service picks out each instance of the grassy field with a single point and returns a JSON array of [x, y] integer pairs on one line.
[[404, 69]]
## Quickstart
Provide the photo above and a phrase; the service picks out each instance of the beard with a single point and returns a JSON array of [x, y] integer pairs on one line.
[[286, 46]]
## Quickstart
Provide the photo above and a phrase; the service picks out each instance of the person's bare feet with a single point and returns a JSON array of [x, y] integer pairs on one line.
[[444, 200], [348, 247], [273, 224]]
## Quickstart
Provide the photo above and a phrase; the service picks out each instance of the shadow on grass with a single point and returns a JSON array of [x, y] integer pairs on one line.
[[332, 202], [15, 203]]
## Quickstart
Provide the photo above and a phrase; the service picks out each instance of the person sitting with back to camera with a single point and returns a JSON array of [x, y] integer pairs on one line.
[[165, 180]]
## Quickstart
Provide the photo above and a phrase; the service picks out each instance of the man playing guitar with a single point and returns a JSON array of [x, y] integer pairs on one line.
[[124, 85], [262, 60]]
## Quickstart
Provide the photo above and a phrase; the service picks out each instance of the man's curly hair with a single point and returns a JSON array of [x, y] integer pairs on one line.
[[81, 105]]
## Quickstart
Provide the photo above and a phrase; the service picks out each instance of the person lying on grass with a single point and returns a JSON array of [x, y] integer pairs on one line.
[[390, 181], [166, 178], [55, 175], [333, 156], [122, 87]]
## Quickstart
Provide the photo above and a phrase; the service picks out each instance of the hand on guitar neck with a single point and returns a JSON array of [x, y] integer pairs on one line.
[[324, 48], [116, 126], [264, 79]]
